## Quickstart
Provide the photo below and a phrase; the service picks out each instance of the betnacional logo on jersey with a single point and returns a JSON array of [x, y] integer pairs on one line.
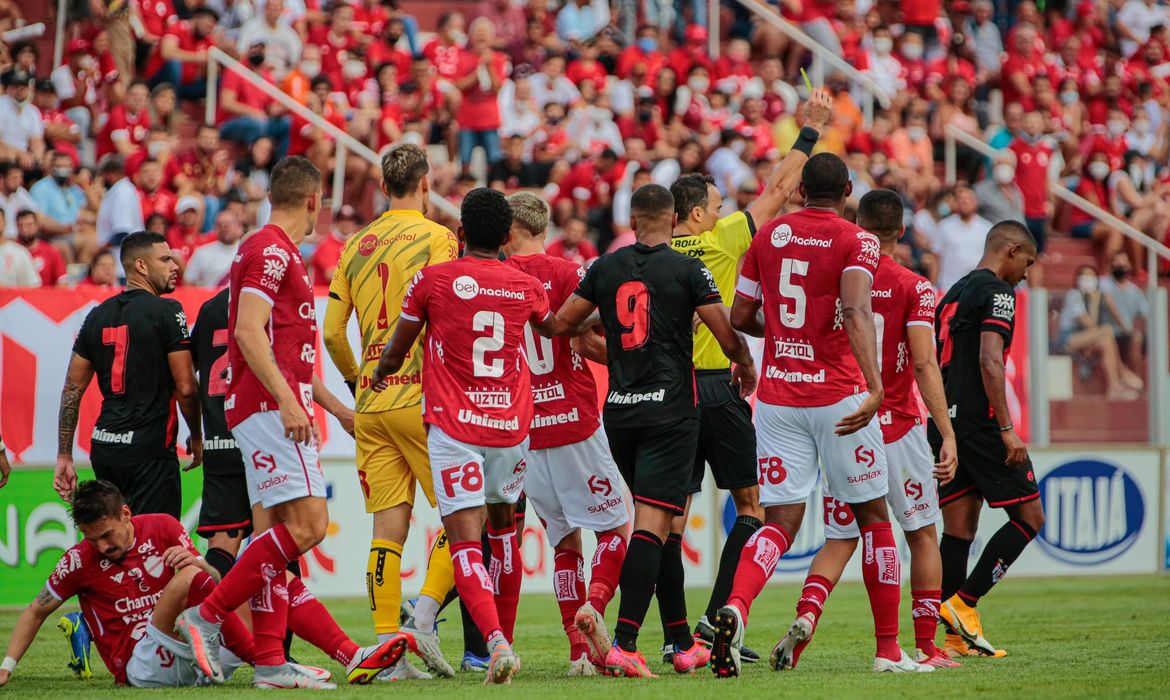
[[490, 398], [796, 377], [472, 418], [467, 288], [548, 392], [1094, 511], [794, 350], [782, 235], [367, 245], [1003, 305]]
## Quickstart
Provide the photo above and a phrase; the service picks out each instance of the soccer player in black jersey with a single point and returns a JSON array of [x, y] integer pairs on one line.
[[647, 295], [974, 326], [138, 345]]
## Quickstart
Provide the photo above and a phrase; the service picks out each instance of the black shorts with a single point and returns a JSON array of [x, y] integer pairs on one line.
[[727, 437], [150, 486], [982, 470], [656, 461], [225, 500]]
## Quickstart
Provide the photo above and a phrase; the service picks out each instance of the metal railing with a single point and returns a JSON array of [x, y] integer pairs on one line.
[[345, 142], [822, 56], [1158, 359]]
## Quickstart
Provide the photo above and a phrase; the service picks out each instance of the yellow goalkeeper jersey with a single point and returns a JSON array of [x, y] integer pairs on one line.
[[720, 249], [375, 270]]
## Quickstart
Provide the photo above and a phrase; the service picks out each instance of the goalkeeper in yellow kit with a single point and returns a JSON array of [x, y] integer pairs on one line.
[[373, 274]]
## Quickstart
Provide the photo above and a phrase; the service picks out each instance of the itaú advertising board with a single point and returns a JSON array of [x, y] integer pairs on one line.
[[1101, 509]]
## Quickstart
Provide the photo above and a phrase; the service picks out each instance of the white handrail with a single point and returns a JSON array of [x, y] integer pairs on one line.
[[825, 54], [345, 142], [1154, 247]]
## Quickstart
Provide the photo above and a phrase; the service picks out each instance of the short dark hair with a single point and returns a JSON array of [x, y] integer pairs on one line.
[[1007, 232], [25, 212], [486, 217], [403, 167], [293, 179], [204, 10], [651, 201], [94, 500], [137, 244], [690, 191], [880, 212], [825, 176], [8, 167]]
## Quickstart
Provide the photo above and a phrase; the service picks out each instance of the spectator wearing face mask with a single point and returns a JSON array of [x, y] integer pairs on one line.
[[181, 55], [882, 66], [23, 137], [1000, 198], [298, 83], [1141, 201], [1036, 162], [56, 194], [726, 164], [246, 113], [282, 42], [912, 150], [1127, 310], [1094, 187], [444, 50], [1084, 334], [1111, 139], [644, 51]]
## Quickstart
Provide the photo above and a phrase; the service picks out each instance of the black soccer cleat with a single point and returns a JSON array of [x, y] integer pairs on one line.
[[705, 635], [725, 659]]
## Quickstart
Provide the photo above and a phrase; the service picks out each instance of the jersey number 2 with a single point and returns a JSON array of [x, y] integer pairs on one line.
[[633, 312], [487, 321], [119, 337]]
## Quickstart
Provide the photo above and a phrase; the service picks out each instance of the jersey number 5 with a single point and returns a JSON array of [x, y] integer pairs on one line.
[[633, 312], [792, 316], [487, 321], [119, 337]]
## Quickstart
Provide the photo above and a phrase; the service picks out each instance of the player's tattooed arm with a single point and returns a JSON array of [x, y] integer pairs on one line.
[[27, 625], [77, 379]]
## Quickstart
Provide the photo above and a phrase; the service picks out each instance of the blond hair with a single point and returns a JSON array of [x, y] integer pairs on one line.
[[530, 212]]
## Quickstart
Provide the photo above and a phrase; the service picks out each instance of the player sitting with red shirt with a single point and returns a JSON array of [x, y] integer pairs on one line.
[[478, 408]]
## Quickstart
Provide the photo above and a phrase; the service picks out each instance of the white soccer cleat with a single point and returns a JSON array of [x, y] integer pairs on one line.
[[591, 625], [426, 646], [725, 659], [321, 674], [902, 665], [504, 664], [403, 671], [285, 677], [787, 651], [582, 666], [203, 637]]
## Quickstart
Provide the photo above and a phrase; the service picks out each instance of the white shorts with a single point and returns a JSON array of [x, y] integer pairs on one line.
[[278, 469], [576, 486], [469, 476], [162, 662], [913, 494], [790, 439]]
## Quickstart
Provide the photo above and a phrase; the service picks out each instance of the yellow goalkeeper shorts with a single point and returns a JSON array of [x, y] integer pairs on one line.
[[392, 457]]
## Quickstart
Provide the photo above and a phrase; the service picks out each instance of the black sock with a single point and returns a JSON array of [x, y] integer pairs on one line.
[[639, 572], [672, 599], [294, 567], [954, 552], [1001, 551], [745, 526], [220, 559]]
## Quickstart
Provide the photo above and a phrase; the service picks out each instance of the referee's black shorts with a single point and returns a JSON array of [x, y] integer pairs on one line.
[[149, 486], [225, 505], [727, 437], [656, 461], [983, 470]]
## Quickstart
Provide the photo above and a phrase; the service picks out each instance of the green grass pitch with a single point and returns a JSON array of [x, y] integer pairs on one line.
[[1066, 638]]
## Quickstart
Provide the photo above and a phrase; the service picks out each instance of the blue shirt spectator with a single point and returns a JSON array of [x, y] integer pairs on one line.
[[57, 195]]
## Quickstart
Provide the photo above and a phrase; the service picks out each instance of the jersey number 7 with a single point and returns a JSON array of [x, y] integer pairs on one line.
[[119, 337]]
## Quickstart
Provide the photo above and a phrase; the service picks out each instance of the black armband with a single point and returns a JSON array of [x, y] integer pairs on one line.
[[806, 140]]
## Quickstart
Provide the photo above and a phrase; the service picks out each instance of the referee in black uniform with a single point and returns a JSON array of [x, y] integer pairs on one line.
[[647, 295], [138, 345]]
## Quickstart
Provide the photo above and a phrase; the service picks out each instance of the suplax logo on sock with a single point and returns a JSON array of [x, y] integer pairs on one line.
[[1094, 511]]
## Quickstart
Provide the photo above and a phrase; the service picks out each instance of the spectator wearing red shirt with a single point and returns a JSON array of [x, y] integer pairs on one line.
[[369, 17], [507, 17], [1110, 139], [126, 129], [735, 66], [245, 113], [328, 251], [645, 123], [587, 67], [387, 51], [573, 244], [1033, 158], [757, 130], [62, 134], [156, 16], [1023, 63], [47, 259], [336, 40], [181, 56], [481, 73], [156, 199], [644, 51], [310, 141], [919, 17], [184, 236], [910, 52], [692, 52], [446, 49]]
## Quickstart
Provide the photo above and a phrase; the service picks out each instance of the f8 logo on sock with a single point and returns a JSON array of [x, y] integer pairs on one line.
[[469, 477], [772, 471]]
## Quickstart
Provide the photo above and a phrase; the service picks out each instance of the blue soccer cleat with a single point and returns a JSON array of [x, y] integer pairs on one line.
[[474, 664], [77, 633]]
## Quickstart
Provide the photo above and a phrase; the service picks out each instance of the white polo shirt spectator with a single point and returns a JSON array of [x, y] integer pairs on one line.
[[120, 212], [959, 246], [16, 266], [21, 123]]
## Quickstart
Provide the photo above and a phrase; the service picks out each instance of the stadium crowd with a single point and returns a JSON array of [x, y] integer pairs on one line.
[[582, 101]]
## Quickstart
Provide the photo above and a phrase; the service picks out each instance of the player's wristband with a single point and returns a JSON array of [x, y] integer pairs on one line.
[[806, 140], [1007, 428], [9, 664]]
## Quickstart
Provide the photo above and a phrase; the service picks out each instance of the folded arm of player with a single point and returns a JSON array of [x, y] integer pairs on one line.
[[252, 319], [394, 354], [930, 385], [733, 345], [857, 312], [77, 379], [336, 339], [25, 632], [786, 176], [187, 394], [333, 405], [994, 381], [575, 317]]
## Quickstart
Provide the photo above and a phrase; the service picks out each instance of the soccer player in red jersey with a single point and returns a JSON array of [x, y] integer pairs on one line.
[[478, 408], [903, 312], [272, 341], [572, 481], [820, 390]]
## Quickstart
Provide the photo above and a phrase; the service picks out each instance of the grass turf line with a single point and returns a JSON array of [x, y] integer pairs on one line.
[[1066, 638]]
